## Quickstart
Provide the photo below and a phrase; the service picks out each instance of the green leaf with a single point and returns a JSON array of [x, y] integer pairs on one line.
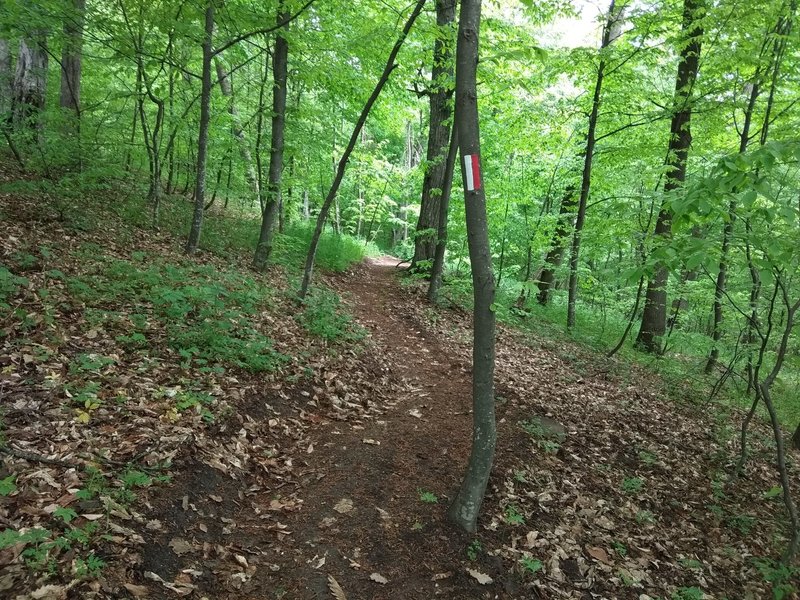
[[7, 485], [65, 514]]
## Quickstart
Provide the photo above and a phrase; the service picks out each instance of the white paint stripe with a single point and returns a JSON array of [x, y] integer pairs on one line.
[[468, 172]]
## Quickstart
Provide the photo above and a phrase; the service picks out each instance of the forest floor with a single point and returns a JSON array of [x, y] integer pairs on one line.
[[329, 475]]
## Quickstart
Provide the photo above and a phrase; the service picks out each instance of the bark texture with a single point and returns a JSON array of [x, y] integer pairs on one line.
[[558, 245], [441, 237], [226, 87], [71, 58], [202, 139], [654, 315], [438, 138], [5, 80], [30, 81], [273, 201], [466, 506]]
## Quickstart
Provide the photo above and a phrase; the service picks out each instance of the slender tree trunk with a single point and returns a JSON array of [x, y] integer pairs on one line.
[[654, 316], [171, 117], [30, 82], [5, 81], [439, 94], [441, 238], [202, 139], [273, 201], [586, 178], [727, 233], [558, 245], [326, 205], [466, 506], [71, 59], [777, 38], [226, 88]]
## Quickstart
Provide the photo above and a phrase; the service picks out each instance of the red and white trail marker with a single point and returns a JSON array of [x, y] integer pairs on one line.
[[472, 170]]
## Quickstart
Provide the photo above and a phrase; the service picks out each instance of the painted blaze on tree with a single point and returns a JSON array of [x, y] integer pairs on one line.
[[466, 506]]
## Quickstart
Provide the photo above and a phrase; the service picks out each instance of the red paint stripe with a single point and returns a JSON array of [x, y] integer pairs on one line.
[[476, 172]]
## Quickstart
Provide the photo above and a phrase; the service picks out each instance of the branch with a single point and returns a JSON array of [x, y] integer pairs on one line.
[[265, 30]]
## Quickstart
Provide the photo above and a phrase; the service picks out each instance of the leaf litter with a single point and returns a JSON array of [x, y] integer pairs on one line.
[[632, 499]]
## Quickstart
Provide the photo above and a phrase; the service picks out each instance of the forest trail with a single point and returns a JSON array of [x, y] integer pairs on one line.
[[343, 463], [380, 468], [601, 487]]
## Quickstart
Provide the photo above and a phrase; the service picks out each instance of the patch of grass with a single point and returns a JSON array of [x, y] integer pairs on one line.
[[324, 316], [742, 523], [427, 497], [531, 565], [474, 549], [513, 516], [782, 577], [647, 457], [645, 517], [207, 314], [687, 593], [9, 286], [632, 485]]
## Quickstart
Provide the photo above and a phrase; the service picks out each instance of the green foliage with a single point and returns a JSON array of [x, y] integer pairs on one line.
[[531, 565], [65, 514], [619, 548], [324, 316], [474, 549], [742, 523], [336, 252], [427, 497], [9, 285], [208, 315], [645, 517], [687, 593], [513, 516], [783, 578], [648, 457], [548, 441], [8, 485], [201, 401], [632, 485]]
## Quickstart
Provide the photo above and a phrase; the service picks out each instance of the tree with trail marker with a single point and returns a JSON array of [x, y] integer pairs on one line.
[[466, 506]]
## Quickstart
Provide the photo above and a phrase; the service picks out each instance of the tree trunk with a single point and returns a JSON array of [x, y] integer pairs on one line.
[[5, 81], [273, 200], [202, 139], [654, 315], [727, 233], [30, 81], [226, 88], [441, 238], [466, 505], [71, 59], [438, 137], [558, 246], [586, 178], [337, 180]]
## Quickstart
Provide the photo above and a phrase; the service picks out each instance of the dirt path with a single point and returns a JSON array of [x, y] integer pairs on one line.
[[620, 503], [383, 466]]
